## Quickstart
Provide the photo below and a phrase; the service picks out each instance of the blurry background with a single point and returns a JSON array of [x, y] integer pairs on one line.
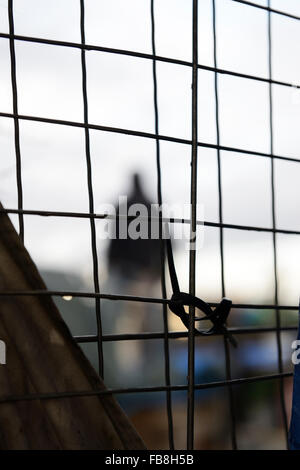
[[120, 94]]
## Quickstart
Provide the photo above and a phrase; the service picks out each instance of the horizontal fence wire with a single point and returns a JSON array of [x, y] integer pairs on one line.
[[195, 145], [83, 215], [147, 135], [268, 9], [119, 391], [132, 298], [179, 334], [141, 55]]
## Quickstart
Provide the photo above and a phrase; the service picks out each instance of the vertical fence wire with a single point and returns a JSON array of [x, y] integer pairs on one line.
[[162, 244], [220, 200], [193, 228], [90, 193], [15, 111], [277, 312]]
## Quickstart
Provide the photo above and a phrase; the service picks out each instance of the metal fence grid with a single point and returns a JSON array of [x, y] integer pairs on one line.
[[194, 144]]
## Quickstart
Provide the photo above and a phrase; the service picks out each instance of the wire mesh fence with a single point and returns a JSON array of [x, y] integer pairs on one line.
[[195, 146]]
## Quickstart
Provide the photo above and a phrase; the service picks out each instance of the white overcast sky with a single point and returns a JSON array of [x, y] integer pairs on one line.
[[120, 93]]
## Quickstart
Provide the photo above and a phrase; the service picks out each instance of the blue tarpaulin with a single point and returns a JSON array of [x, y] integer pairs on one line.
[[294, 434]]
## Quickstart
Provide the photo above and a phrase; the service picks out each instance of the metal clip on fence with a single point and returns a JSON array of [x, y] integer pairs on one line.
[[180, 299]]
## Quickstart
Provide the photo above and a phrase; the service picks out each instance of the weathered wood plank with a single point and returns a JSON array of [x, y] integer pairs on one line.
[[42, 357]]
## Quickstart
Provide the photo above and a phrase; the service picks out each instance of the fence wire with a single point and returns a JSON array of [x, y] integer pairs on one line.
[[195, 145]]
